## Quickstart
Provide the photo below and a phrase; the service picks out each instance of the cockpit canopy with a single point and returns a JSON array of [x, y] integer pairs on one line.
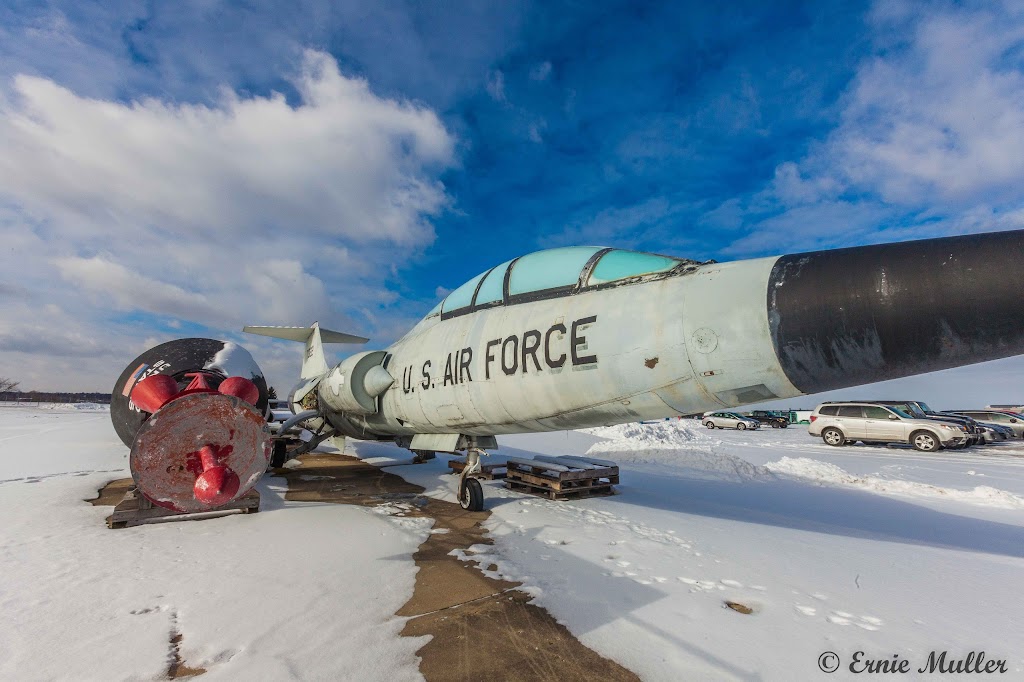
[[555, 272]]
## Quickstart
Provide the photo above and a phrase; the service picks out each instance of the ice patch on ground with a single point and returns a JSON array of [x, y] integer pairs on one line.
[[830, 474], [679, 444], [58, 407]]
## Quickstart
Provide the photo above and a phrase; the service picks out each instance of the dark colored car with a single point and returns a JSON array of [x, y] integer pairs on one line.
[[769, 418], [1012, 420]]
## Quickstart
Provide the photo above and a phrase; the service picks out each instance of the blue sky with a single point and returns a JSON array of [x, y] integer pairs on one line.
[[185, 168]]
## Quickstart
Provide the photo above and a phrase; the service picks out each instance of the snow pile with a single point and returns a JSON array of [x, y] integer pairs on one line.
[[830, 474], [234, 361], [679, 444], [91, 407]]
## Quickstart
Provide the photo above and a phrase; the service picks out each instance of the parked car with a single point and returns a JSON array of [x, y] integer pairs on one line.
[[1019, 409], [839, 423], [1012, 420], [920, 410], [769, 418], [729, 420], [993, 432]]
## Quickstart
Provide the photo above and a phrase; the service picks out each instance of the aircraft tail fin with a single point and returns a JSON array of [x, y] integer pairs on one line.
[[314, 363]]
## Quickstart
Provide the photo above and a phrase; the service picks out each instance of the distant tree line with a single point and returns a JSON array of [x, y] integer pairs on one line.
[[54, 397]]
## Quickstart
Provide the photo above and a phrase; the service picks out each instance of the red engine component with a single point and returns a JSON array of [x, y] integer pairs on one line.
[[201, 448]]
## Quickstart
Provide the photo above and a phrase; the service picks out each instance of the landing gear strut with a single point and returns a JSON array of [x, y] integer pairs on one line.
[[471, 493]]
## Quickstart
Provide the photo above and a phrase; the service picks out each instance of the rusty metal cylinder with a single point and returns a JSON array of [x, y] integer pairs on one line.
[[193, 412]]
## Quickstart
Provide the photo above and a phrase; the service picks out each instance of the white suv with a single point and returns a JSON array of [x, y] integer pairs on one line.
[[841, 423]]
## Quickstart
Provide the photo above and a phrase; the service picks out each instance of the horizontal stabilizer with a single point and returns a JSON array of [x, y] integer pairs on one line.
[[314, 363], [301, 334]]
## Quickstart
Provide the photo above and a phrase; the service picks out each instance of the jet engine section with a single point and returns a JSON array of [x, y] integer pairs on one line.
[[183, 360], [193, 413], [353, 386]]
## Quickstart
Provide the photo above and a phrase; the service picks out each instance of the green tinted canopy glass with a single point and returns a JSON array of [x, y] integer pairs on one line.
[[494, 285], [616, 265], [549, 269], [461, 297]]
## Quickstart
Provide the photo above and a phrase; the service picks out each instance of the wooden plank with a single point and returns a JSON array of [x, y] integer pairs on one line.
[[558, 483], [558, 495], [517, 469], [135, 510], [556, 471], [564, 461], [591, 460], [539, 464]]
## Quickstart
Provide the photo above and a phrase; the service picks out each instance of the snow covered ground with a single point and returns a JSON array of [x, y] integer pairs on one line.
[[881, 550], [298, 591]]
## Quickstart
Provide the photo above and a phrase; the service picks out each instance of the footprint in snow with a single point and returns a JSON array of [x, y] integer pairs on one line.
[[806, 610], [870, 623], [698, 584], [731, 583]]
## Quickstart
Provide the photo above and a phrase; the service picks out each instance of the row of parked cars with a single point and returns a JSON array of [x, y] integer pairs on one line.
[[727, 419], [913, 422]]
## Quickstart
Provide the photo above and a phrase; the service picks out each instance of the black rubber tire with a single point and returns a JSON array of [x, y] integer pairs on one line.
[[784, 426], [279, 455], [473, 499], [837, 437], [741, 427], [710, 425], [775, 425], [925, 441]]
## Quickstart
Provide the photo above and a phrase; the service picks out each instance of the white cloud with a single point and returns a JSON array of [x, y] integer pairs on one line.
[[941, 119], [929, 139], [622, 227], [496, 86], [541, 72], [344, 163], [254, 210]]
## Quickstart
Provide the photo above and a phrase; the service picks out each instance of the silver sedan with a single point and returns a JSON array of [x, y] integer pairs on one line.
[[729, 420]]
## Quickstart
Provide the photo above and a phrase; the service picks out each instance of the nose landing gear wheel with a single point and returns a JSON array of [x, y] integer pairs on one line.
[[472, 495]]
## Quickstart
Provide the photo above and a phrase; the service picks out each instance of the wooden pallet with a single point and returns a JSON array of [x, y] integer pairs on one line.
[[560, 478], [135, 510], [491, 472], [573, 494]]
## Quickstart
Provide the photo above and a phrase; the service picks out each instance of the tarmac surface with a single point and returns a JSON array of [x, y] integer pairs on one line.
[[481, 628]]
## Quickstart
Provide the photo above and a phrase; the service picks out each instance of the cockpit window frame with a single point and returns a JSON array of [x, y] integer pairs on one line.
[[580, 286]]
